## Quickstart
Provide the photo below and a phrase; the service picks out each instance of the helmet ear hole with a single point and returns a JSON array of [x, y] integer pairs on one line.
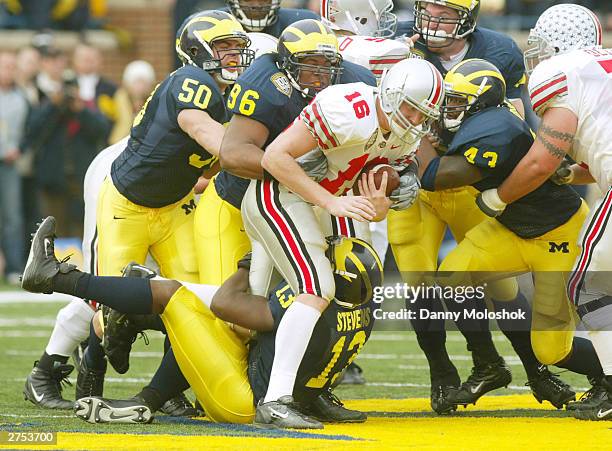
[[193, 51]]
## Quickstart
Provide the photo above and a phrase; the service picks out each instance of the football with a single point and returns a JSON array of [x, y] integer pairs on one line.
[[393, 178]]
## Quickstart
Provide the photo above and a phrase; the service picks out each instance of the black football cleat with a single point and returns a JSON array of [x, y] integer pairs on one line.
[[443, 399], [592, 398], [596, 413], [283, 414], [44, 388], [483, 379], [42, 265], [90, 381], [327, 408], [119, 335], [100, 410], [179, 406], [547, 386]]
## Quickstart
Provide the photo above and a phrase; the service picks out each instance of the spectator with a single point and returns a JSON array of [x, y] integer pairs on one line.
[[28, 67], [56, 14], [137, 84], [66, 131], [13, 115]]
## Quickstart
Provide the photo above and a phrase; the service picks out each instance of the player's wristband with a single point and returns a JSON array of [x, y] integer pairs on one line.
[[428, 180], [490, 203]]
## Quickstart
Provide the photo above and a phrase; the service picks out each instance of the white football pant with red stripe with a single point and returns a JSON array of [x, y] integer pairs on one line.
[[590, 284], [286, 236]]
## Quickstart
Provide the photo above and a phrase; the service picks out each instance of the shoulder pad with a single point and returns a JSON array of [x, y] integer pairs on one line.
[[547, 84], [193, 88], [354, 73], [331, 116]]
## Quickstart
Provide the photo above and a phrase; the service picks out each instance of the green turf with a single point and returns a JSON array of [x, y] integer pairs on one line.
[[389, 360]]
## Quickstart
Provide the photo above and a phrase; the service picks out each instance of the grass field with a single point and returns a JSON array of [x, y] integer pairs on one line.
[[395, 397]]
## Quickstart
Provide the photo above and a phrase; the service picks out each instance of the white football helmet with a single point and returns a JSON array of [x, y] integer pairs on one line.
[[361, 17], [255, 16], [418, 83], [560, 29], [262, 43]]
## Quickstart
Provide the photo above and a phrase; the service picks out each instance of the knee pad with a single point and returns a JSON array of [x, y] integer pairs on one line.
[[551, 347]]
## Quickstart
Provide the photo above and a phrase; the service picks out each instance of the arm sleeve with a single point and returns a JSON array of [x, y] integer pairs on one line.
[[547, 88], [484, 155], [515, 73]]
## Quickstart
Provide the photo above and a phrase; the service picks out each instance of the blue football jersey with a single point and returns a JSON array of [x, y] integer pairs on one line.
[[161, 163], [336, 340]]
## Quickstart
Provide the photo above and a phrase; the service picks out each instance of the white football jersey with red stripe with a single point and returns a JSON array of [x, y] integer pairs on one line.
[[343, 120], [581, 81], [377, 54]]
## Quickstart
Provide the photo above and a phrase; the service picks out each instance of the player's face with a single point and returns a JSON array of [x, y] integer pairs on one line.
[[411, 114], [255, 9], [228, 52], [439, 23], [318, 75]]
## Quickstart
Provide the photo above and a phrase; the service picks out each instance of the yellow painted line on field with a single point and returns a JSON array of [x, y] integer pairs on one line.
[[389, 433]]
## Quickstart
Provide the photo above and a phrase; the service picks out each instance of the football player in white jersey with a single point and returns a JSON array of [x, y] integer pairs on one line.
[[352, 125], [571, 90], [364, 29]]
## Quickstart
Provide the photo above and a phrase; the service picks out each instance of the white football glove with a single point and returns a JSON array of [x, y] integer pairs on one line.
[[490, 203], [314, 163], [406, 193]]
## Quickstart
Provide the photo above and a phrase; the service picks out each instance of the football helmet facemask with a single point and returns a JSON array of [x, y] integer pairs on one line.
[[357, 270], [471, 86], [560, 29], [361, 17], [428, 26], [417, 83], [197, 43], [255, 15], [305, 39]]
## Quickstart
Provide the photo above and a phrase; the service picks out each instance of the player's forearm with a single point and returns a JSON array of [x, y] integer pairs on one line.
[[209, 136], [283, 167], [528, 175], [244, 161]]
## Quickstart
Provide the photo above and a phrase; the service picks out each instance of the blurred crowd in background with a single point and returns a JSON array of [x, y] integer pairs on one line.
[[57, 112]]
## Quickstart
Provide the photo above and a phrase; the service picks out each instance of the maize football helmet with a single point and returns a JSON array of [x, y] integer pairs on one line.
[[471, 86], [304, 39], [428, 26], [255, 15], [196, 44], [357, 270]]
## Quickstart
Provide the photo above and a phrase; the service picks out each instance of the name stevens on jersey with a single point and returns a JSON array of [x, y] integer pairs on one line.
[[353, 319]]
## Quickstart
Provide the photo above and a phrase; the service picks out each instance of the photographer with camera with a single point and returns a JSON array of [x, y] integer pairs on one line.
[[65, 133]]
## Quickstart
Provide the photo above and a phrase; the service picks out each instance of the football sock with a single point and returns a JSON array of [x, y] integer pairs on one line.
[[124, 294], [71, 328], [582, 359], [431, 337], [602, 342], [291, 341], [94, 354], [441, 369], [168, 381], [46, 361], [518, 332]]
